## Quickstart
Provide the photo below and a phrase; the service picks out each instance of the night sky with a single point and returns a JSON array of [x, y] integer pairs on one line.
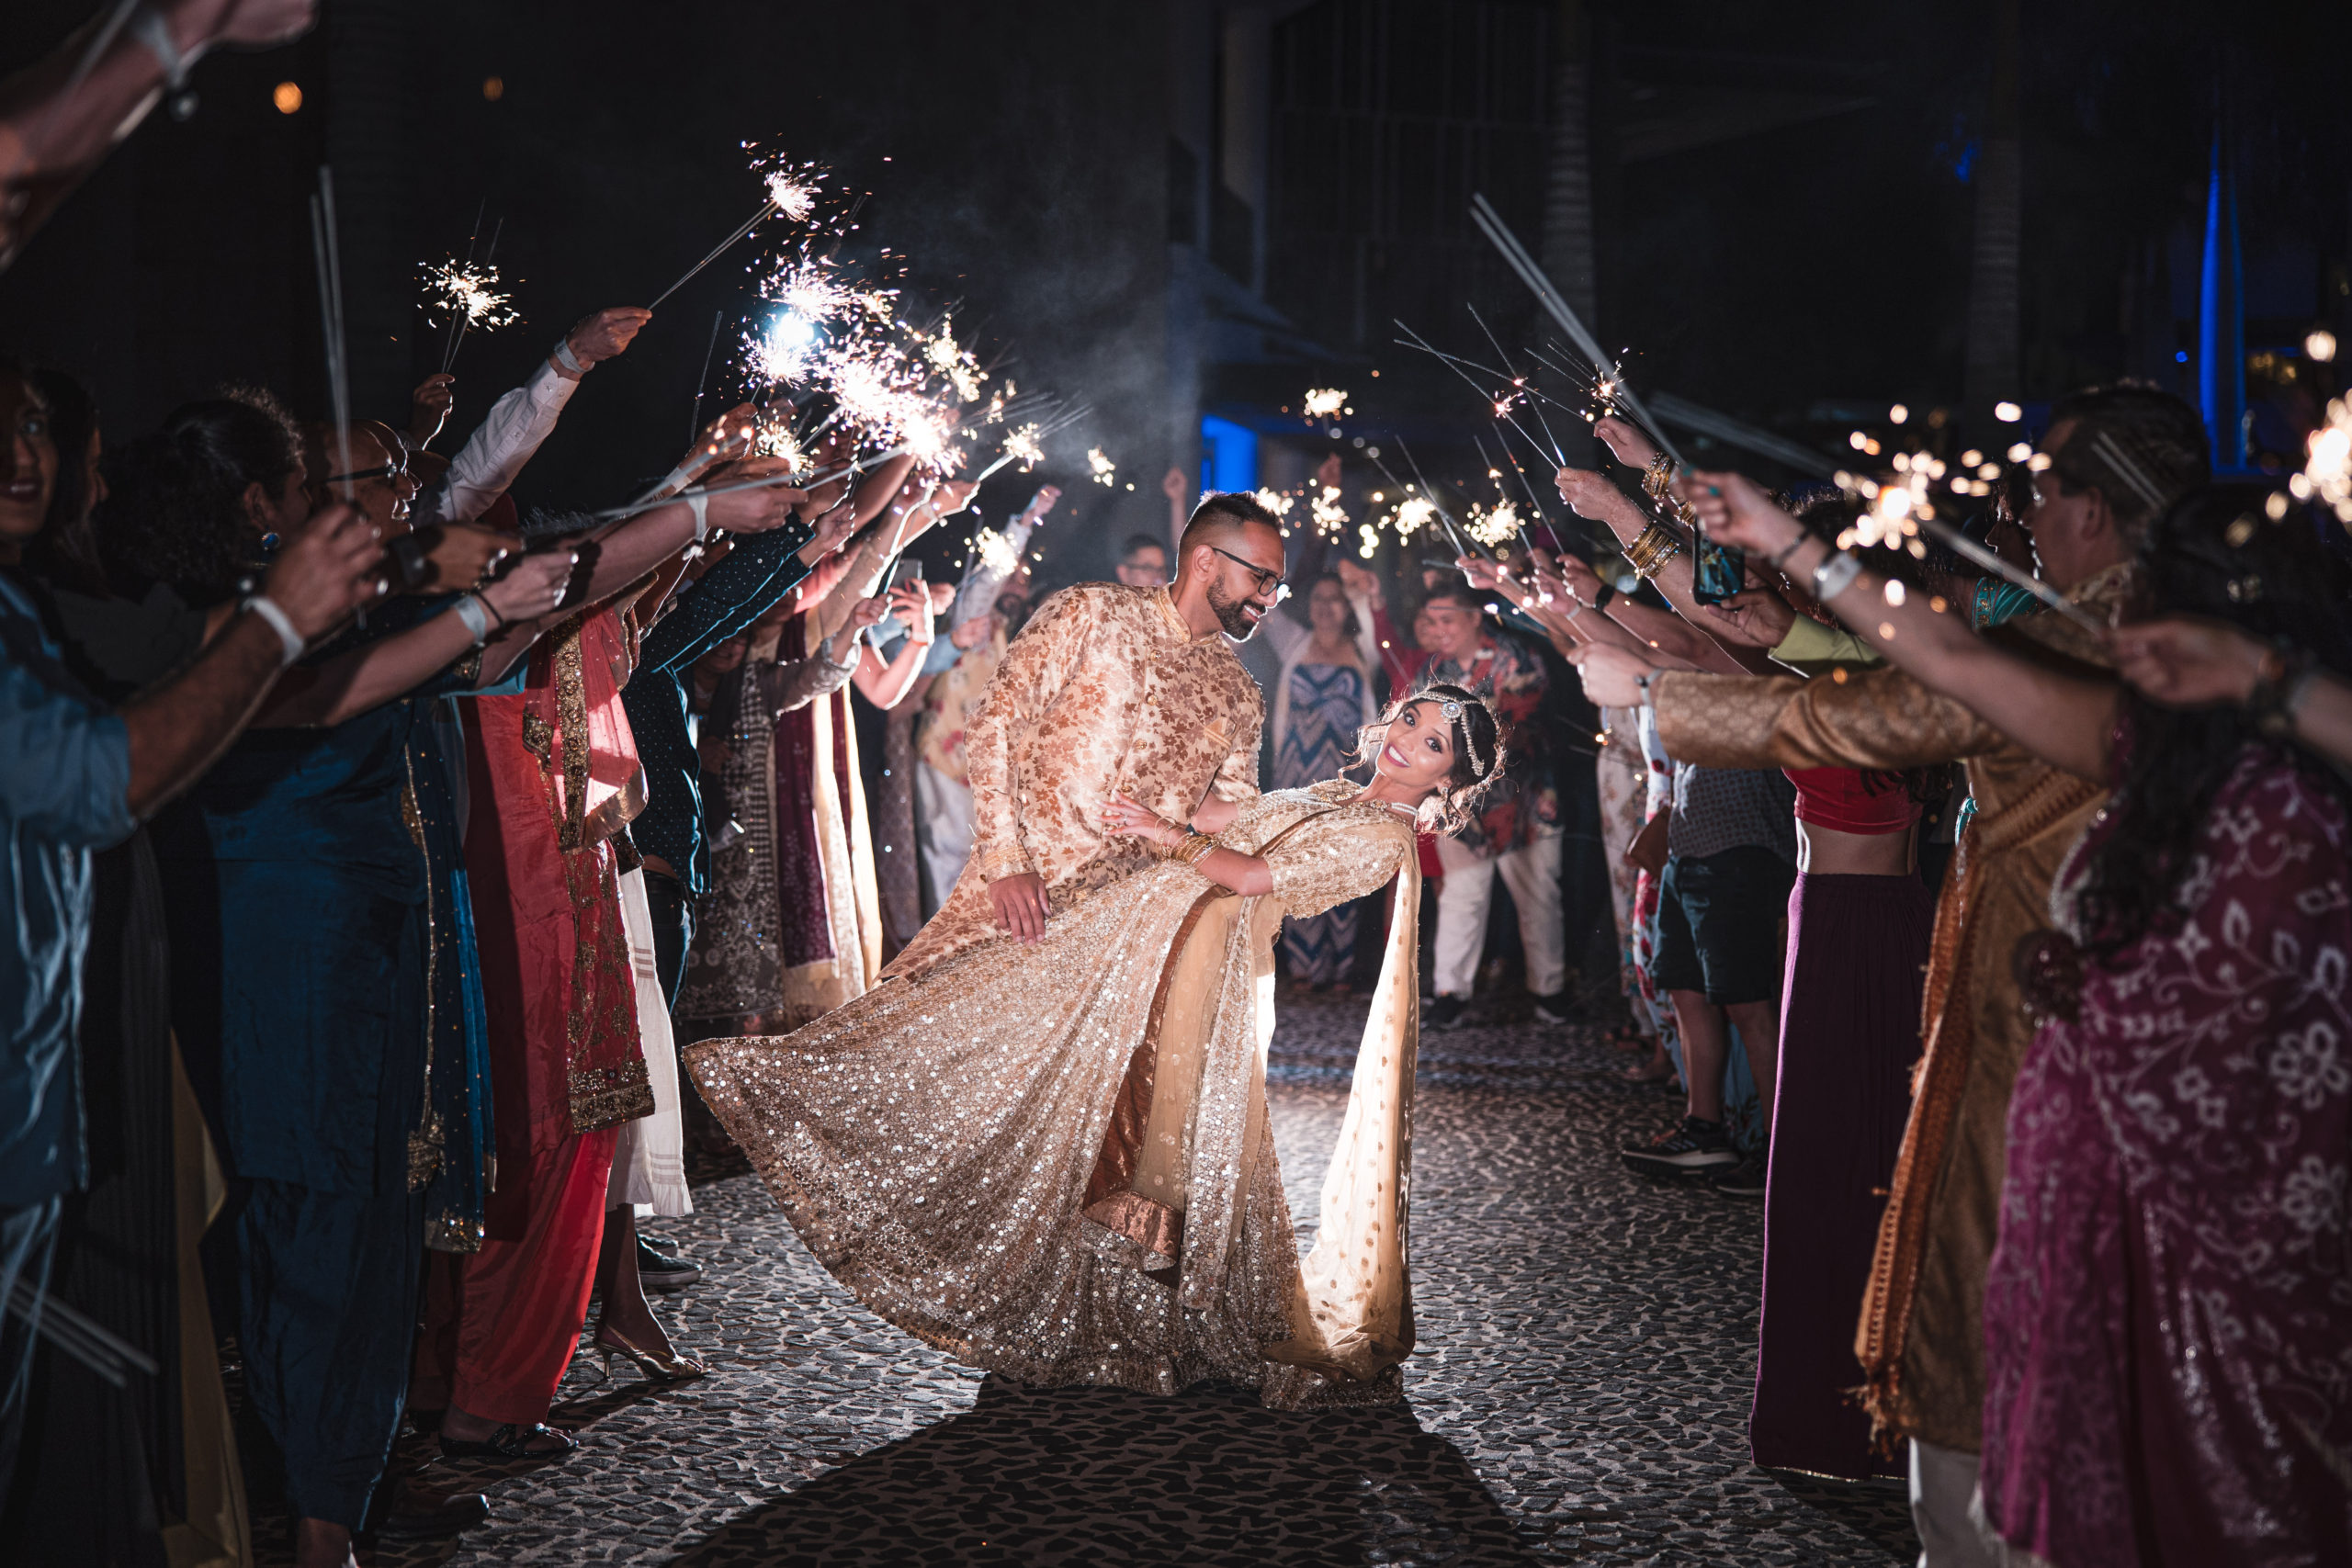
[[1018, 157]]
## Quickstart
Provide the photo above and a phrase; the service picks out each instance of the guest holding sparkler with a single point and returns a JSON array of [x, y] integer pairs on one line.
[[522, 420], [307, 881], [719, 604], [556, 777], [2167, 1335], [1921, 1337], [79, 778], [829, 928]]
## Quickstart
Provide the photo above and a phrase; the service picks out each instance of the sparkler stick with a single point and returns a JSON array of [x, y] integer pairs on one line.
[[694, 420], [1499, 407], [328, 256], [1520, 527], [856, 465], [717, 251], [1461, 545], [84, 1338], [484, 305], [1500, 235], [1053, 426]]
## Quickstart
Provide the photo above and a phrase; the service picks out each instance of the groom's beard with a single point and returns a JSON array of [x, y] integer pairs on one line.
[[1232, 615]]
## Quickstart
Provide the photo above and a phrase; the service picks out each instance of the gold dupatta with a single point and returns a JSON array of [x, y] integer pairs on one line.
[[1350, 1314]]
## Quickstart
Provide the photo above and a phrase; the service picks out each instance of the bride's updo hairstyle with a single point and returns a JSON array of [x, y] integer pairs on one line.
[[1478, 753]]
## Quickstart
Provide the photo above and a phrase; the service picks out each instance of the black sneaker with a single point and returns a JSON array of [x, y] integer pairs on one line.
[[1553, 1009], [1445, 1012], [1745, 1180], [658, 1271], [1694, 1147]]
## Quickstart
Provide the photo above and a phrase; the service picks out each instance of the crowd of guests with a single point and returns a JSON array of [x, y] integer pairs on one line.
[[374, 844]]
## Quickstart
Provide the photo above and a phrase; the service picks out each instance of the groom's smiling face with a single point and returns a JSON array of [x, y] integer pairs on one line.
[[1242, 596]]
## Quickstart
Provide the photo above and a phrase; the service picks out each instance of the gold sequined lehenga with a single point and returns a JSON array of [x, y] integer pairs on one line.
[[1054, 1161]]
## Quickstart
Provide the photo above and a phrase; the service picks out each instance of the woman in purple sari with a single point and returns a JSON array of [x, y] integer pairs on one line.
[[2168, 1310]]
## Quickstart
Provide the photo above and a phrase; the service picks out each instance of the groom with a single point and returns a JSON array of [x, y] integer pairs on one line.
[[1109, 690]]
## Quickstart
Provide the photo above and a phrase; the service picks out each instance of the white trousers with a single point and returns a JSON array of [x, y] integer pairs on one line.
[[1943, 1488], [944, 827], [1531, 871], [649, 1157]]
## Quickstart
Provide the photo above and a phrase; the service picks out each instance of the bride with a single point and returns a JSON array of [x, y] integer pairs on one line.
[[1052, 1160]]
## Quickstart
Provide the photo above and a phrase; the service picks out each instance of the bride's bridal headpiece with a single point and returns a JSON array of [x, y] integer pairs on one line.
[[1452, 711]]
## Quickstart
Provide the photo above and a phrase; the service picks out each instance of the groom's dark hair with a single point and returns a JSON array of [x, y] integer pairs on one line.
[[1220, 515]]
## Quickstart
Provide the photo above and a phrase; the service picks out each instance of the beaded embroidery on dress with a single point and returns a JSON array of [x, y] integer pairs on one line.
[[964, 1148]]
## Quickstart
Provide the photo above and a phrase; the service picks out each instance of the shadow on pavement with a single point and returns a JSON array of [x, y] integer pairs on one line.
[[1090, 1475]]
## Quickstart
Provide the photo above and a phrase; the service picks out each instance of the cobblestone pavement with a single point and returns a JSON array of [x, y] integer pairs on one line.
[[1580, 1393]]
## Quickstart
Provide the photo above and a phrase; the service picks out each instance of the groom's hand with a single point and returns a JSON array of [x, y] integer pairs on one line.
[[1020, 905]]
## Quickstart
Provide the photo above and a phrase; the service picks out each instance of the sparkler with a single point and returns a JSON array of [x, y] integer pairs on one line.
[[1323, 402], [1495, 526], [1329, 517], [1611, 385], [792, 193], [2327, 467], [1024, 444], [693, 419], [327, 254], [1103, 471], [1275, 502], [1453, 531], [469, 296], [996, 552]]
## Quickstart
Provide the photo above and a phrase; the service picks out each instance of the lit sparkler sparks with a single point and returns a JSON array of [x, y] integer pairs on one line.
[[1413, 515], [1105, 472], [1021, 446], [1329, 517], [1275, 502], [998, 555], [469, 292], [1324, 402], [792, 189], [467, 295], [944, 356], [2327, 471], [1494, 527]]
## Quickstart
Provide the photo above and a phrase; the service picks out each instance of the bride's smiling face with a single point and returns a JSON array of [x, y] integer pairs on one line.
[[1417, 750]]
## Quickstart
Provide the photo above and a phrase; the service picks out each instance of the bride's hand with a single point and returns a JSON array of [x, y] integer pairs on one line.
[[1129, 816]]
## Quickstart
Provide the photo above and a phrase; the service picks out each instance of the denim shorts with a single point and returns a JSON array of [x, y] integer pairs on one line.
[[1719, 925]]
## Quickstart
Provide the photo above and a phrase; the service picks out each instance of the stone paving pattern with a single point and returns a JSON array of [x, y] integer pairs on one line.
[[1580, 1393]]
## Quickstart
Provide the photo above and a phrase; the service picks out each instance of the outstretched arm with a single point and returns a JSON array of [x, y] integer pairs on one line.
[[2190, 664], [2062, 719], [56, 125]]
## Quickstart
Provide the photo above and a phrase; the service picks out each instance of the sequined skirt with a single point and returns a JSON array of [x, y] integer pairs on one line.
[[931, 1143]]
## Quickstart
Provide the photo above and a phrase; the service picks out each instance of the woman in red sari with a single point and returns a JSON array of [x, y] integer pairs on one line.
[[554, 779], [2168, 1310]]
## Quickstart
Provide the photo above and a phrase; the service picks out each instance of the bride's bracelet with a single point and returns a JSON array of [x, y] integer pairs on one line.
[[1191, 849]]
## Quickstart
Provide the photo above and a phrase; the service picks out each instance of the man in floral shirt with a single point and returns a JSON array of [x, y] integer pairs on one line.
[[1518, 833]]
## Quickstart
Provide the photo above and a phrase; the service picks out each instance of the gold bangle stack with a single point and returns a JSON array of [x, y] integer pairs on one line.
[[1191, 849], [1652, 549], [1659, 478]]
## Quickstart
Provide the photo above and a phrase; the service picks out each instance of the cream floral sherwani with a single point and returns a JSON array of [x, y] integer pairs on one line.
[[1105, 691]]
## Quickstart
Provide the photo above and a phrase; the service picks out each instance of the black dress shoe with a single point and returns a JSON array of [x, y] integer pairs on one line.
[[417, 1517], [658, 1271]]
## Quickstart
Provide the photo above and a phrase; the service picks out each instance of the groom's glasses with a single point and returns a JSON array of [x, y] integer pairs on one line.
[[1267, 581]]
